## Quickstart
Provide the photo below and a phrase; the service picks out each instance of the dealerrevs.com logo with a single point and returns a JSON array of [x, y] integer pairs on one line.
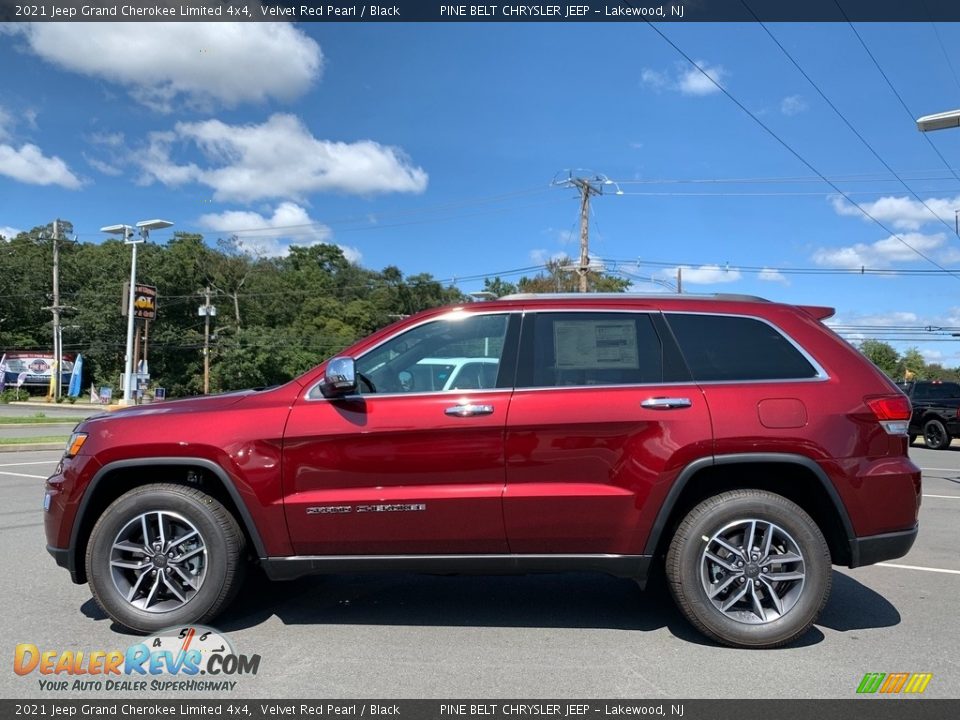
[[194, 658]]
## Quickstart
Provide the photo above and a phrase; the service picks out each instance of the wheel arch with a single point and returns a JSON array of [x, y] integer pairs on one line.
[[108, 484], [798, 478]]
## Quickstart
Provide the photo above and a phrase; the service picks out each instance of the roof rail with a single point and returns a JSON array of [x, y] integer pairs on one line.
[[732, 297]]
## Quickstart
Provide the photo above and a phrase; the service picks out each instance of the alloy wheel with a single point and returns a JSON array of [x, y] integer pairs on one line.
[[752, 571], [158, 561]]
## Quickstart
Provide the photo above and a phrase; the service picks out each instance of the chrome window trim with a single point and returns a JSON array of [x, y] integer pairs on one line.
[[453, 313], [821, 376]]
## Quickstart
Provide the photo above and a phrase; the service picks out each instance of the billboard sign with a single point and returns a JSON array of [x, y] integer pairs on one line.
[[33, 369], [144, 301]]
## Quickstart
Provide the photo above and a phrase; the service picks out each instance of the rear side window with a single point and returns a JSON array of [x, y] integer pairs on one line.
[[578, 349], [723, 347]]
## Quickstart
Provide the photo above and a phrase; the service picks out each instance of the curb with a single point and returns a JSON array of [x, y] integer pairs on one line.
[[26, 447]]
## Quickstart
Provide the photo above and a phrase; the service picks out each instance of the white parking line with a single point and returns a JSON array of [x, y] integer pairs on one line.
[[953, 470], [33, 462], [951, 497], [917, 567], [37, 477]]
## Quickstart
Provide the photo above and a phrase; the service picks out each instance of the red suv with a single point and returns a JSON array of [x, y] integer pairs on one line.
[[737, 440]]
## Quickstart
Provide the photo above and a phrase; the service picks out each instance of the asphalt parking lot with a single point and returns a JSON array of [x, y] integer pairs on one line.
[[564, 636]]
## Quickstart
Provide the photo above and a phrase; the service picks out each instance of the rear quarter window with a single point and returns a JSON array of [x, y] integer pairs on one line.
[[725, 347]]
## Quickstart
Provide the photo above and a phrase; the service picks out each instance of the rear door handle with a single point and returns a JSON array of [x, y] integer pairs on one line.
[[469, 410], [666, 403]]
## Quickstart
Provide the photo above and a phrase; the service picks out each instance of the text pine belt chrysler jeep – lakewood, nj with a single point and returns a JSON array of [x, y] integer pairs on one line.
[[738, 444]]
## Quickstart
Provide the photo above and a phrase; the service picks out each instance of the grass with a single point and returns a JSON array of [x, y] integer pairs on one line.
[[34, 440], [36, 420]]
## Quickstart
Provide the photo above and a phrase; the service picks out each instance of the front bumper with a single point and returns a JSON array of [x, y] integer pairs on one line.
[[877, 548]]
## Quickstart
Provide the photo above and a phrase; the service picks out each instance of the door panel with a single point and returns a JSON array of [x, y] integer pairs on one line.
[[415, 464], [587, 468], [395, 475], [603, 420]]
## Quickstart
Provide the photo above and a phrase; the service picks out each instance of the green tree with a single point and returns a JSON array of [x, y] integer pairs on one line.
[[562, 276], [499, 287], [912, 366], [881, 354]]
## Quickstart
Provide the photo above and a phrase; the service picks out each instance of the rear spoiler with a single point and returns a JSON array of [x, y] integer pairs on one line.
[[819, 312]]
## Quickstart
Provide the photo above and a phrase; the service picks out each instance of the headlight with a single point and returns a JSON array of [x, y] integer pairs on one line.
[[74, 444]]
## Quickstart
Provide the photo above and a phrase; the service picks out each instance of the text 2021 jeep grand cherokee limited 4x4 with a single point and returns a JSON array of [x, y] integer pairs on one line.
[[739, 441]]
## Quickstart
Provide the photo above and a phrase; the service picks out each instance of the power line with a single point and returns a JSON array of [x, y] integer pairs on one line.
[[843, 117], [795, 153], [946, 55], [893, 89]]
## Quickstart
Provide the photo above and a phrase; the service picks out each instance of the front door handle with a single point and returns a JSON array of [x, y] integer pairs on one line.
[[469, 410], [666, 403]]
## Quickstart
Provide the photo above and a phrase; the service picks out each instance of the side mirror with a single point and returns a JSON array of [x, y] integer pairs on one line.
[[339, 377]]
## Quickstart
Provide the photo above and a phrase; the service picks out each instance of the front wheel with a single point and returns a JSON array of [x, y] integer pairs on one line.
[[750, 569], [164, 555]]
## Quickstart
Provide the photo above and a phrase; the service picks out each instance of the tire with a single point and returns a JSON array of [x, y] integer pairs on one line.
[[792, 532], [191, 581], [935, 435]]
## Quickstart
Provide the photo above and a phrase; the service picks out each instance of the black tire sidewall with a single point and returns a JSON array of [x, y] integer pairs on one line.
[[943, 433], [708, 520], [199, 512]]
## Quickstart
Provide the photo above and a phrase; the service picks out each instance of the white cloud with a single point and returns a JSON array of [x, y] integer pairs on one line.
[[277, 159], [703, 275], [793, 105], [106, 139], [162, 64], [654, 78], [541, 256], [8, 232], [6, 122], [29, 165], [903, 212], [272, 236], [694, 82], [685, 79], [881, 253], [771, 275], [104, 167]]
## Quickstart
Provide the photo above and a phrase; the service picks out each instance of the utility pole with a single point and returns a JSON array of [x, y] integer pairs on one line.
[[55, 310], [207, 310], [586, 187], [679, 280]]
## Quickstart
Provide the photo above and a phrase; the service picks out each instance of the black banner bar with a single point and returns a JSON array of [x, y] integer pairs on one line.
[[872, 708], [331, 11]]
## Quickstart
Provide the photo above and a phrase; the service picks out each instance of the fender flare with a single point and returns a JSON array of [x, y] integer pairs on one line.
[[738, 458], [221, 474]]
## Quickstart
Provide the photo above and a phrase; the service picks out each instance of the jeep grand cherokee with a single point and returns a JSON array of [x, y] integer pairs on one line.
[[739, 442]]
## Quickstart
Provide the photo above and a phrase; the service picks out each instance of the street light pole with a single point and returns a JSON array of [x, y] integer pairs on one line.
[[128, 238]]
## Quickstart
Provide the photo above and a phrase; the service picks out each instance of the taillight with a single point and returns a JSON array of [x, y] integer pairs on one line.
[[892, 411]]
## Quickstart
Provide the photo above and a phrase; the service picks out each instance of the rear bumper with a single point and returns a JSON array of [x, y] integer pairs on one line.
[[877, 548]]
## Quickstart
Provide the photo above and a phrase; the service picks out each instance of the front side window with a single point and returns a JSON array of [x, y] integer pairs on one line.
[[580, 349], [456, 352]]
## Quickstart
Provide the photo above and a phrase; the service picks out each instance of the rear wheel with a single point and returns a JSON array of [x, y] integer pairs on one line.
[[935, 435], [749, 569], [164, 555]]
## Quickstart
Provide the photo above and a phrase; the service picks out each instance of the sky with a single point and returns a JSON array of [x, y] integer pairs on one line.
[[442, 148]]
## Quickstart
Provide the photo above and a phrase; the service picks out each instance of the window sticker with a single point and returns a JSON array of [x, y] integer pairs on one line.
[[595, 344]]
